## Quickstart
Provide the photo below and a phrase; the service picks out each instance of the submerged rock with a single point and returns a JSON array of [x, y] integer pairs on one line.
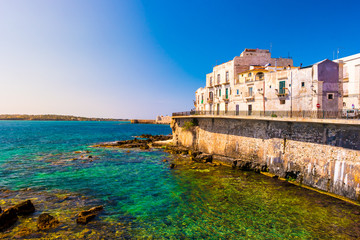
[[8, 218], [144, 147], [46, 221], [85, 216], [24, 208], [172, 166]]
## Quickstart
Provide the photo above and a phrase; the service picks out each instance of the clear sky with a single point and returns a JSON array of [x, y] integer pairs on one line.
[[138, 59]]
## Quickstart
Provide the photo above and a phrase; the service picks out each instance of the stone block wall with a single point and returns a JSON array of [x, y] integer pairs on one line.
[[321, 155]]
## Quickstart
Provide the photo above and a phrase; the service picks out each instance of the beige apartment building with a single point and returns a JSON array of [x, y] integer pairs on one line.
[[217, 95], [272, 85]]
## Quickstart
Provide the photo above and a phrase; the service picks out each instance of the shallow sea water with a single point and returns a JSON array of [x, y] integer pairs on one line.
[[143, 198]]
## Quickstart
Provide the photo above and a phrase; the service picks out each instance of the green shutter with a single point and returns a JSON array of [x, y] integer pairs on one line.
[[282, 87]]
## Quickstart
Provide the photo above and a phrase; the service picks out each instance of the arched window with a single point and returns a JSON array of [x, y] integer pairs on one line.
[[260, 76]]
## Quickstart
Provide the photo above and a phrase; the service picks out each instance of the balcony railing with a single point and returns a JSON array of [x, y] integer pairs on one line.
[[249, 79], [249, 95], [225, 97], [225, 83], [317, 114], [282, 92], [210, 100]]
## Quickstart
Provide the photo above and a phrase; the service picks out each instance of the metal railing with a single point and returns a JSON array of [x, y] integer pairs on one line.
[[320, 114]]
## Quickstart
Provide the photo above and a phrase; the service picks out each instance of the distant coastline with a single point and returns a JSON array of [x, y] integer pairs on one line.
[[53, 117]]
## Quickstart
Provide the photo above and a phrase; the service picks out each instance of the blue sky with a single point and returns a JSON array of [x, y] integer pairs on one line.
[[138, 59]]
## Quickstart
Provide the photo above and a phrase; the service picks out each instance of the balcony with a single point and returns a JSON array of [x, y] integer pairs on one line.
[[210, 100], [249, 96], [249, 79], [226, 83], [282, 93], [225, 97]]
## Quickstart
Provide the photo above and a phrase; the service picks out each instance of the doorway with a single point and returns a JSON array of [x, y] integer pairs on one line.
[[249, 109]]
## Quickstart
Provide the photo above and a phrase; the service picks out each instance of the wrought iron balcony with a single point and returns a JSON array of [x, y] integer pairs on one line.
[[283, 92], [249, 96]]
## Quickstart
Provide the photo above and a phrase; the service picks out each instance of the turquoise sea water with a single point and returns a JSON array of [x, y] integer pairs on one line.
[[143, 198]]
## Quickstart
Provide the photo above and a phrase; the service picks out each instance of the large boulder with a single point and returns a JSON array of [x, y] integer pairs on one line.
[[8, 218], [46, 221], [24, 208], [85, 216], [204, 158]]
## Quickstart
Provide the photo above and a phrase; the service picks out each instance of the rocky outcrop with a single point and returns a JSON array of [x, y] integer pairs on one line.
[[137, 143], [8, 218], [203, 157], [24, 208], [86, 216], [46, 221], [155, 137], [177, 150], [134, 143]]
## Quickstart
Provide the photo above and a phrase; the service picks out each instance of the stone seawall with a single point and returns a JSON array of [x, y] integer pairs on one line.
[[323, 154]]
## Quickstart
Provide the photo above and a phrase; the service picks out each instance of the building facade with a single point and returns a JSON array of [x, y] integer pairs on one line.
[[351, 81], [218, 92], [255, 83]]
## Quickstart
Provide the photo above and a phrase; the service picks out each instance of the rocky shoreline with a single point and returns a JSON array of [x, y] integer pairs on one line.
[[210, 159], [146, 141], [23, 215], [29, 214], [45, 221]]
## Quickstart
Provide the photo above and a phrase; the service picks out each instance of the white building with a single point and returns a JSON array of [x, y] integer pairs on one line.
[[351, 82], [218, 93]]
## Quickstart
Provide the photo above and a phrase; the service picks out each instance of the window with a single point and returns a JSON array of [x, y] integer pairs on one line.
[[281, 87], [282, 101], [302, 84], [330, 96], [218, 78], [210, 81], [219, 92], [226, 93], [237, 91], [202, 98], [259, 76], [227, 76], [250, 91]]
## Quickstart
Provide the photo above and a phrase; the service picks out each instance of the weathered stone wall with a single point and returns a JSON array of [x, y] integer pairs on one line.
[[321, 155]]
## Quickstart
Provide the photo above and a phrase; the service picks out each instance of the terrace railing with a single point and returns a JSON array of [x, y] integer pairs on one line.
[[275, 114]]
